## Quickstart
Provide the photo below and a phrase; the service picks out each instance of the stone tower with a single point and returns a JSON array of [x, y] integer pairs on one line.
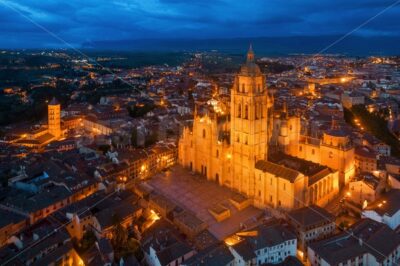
[[54, 116], [249, 122]]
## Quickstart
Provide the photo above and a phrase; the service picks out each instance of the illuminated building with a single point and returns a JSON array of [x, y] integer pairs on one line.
[[39, 138], [233, 152], [54, 118]]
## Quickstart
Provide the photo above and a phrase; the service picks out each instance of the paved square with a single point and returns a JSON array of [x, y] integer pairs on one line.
[[194, 193]]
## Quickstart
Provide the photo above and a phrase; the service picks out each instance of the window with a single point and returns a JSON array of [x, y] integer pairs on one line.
[[300, 148], [312, 151], [243, 87], [246, 112], [217, 154], [239, 114], [204, 133]]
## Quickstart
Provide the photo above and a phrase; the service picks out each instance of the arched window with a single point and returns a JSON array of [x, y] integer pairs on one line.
[[246, 112], [204, 133], [217, 154], [239, 111], [256, 111], [243, 87], [258, 87]]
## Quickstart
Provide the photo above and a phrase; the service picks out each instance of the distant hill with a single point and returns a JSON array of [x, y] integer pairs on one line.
[[353, 45]]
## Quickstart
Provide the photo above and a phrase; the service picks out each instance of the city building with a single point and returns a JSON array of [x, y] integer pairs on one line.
[[42, 136], [54, 118], [234, 152], [386, 209], [310, 224], [367, 242], [267, 243]]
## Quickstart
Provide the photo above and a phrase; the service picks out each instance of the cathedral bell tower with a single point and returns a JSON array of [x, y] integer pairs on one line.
[[54, 114], [249, 124]]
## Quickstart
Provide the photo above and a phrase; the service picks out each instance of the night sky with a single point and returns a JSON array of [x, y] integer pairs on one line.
[[79, 21]]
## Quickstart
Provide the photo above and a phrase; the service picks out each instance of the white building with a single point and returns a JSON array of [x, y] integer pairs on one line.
[[385, 210], [265, 244]]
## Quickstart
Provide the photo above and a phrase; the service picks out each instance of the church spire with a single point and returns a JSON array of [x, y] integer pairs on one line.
[[250, 54]]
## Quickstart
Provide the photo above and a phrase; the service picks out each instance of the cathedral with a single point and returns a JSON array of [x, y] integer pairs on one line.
[[233, 149]]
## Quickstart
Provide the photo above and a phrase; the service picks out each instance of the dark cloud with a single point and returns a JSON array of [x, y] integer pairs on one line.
[[78, 21]]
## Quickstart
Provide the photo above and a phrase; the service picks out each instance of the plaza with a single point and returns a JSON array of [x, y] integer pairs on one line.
[[194, 193]]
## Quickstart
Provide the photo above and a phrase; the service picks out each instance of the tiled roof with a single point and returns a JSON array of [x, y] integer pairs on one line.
[[277, 170]]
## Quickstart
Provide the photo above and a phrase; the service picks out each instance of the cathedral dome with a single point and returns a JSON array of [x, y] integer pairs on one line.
[[250, 68]]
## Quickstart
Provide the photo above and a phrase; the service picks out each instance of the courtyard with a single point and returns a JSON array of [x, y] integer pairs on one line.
[[194, 193]]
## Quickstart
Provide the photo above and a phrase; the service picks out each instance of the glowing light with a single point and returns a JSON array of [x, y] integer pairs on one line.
[[232, 240], [348, 194], [343, 80], [143, 167], [229, 156], [154, 216], [80, 262]]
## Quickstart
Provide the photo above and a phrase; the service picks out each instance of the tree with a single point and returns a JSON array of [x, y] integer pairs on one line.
[[133, 247], [87, 241], [151, 139], [120, 236], [134, 137], [104, 148], [374, 124]]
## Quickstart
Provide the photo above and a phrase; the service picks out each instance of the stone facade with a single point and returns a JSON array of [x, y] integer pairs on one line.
[[227, 148]]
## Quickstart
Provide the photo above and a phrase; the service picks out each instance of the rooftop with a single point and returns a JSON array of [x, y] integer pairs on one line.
[[311, 216], [365, 236], [388, 204]]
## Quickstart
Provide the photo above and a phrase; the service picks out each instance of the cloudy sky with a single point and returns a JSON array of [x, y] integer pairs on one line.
[[30, 23]]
